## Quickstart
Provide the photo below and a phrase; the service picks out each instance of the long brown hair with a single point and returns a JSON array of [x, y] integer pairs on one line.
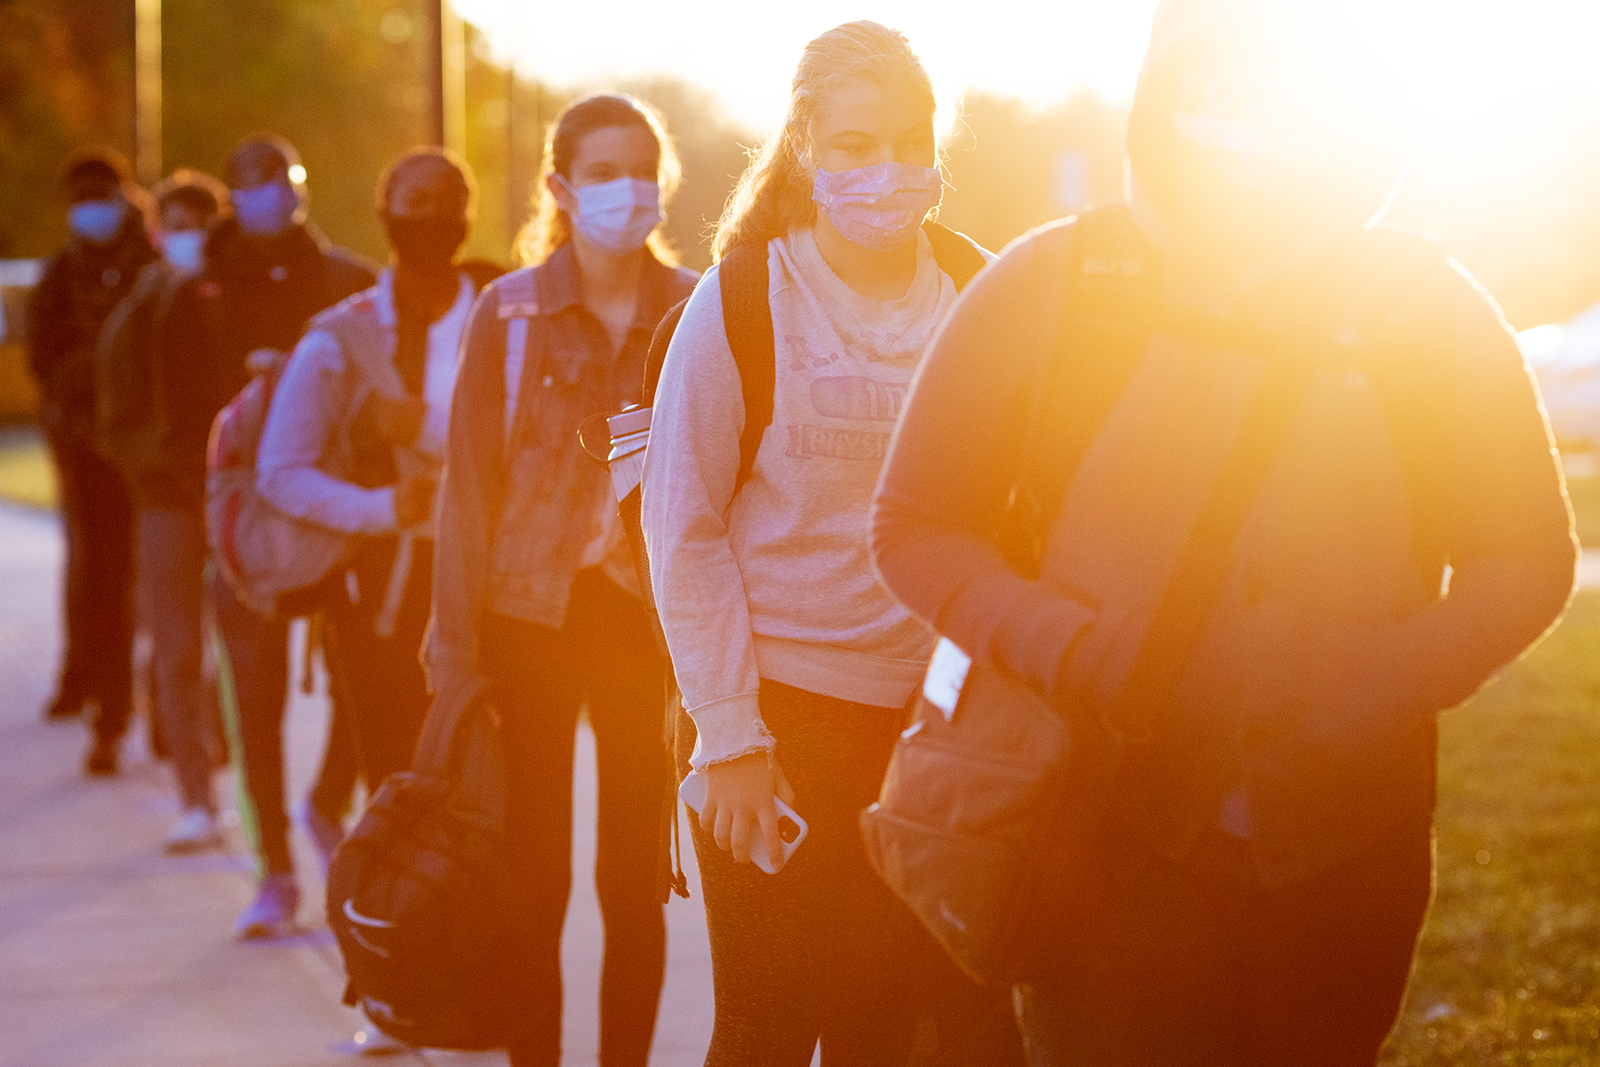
[[774, 193], [550, 227]]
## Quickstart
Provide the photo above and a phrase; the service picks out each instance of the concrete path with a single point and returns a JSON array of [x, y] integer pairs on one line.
[[115, 955]]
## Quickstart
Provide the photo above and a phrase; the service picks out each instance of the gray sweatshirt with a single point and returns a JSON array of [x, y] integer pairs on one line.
[[775, 582]]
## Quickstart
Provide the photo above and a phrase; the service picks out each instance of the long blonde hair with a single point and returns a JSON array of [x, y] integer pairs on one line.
[[774, 193], [551, 227]]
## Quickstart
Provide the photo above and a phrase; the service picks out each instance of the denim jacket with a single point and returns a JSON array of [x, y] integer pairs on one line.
[[521, 504]]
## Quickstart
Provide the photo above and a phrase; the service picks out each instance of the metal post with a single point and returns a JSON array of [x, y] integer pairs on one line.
[[453, 72], [434, 71], [447, 78], [147, 90], [513, 194]]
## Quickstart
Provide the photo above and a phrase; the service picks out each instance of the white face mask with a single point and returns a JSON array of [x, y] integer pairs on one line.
[[617, 216], [185, 249]]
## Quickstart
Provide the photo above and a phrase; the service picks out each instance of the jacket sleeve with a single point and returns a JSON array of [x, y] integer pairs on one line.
[[954, 459], [690, 469], [1508, 526], [303, 422], [469, 499]]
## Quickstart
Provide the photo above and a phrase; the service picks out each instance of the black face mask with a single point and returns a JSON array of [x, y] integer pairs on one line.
[[427, 242]]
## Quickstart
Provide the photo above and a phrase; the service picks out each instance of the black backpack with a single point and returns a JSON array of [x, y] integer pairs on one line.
[[418, 894]]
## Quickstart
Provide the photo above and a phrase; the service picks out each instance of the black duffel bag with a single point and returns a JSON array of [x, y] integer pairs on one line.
[[419, 895]]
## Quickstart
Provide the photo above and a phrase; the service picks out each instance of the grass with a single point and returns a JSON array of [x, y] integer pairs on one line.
[[1508, 971], [26, 476]]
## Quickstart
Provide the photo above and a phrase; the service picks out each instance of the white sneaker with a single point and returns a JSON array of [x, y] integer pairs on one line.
[[197, 829]]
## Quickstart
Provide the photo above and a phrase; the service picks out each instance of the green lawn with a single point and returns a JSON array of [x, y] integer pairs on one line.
[[1509, 967]]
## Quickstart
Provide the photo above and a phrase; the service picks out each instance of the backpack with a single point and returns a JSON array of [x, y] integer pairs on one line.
[[418, 898], [279, 565], [743, 279]]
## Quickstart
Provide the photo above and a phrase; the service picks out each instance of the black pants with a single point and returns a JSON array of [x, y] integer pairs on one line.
[[604, 658], [254, 681], [380, 679], [1194, 963], [98, 594], [823, 950]]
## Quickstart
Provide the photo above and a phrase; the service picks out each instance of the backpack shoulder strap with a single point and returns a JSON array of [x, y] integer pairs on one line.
[[1109, 309], [747, 318], [367, 345], [517, 304], [431, 757], [957, 254], [660, 341]]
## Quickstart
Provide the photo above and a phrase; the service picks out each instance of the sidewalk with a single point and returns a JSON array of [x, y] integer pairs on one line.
[[115, 955]]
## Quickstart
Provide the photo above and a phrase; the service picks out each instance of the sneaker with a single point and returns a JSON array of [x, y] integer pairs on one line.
[[271, 913], [326, 833], [197, 829], [103, 758], [370, 1041]]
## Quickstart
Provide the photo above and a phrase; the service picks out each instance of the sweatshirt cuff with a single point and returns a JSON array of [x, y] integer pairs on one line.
[[727, 729]]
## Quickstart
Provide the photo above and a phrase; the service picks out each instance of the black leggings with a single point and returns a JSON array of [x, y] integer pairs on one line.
[[604, 658], [380, 679], [823, 950]]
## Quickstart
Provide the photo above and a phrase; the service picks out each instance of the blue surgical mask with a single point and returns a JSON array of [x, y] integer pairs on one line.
[[97, 221], [267, 209], [617, 216], [185, 249]]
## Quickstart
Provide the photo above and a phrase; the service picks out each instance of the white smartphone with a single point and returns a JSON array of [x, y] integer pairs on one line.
[[792, 829]]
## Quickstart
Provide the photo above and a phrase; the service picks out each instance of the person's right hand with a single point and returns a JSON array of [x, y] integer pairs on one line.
[[739, 811], [413, 501]]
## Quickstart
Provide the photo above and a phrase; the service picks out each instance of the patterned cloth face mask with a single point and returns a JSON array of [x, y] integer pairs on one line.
[[618, 216], [878, 207]]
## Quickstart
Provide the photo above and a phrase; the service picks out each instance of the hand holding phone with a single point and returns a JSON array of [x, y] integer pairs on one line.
[[792, 829]]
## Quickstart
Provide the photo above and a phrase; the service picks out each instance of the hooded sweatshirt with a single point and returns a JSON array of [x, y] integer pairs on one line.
[[771, 579], [1410, 537]]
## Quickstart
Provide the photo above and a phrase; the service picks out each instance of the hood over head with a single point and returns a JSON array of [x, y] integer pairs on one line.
[[1260, 126]]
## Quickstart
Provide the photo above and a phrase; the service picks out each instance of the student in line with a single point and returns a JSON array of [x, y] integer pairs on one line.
[[355, 438], [794, 663], [534, 585], [267, 270], [1328, 422], [107, 214], [170, 527]]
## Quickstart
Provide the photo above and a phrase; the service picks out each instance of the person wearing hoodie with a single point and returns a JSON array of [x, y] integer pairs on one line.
[[80, 286], [795, 664], [170, 542], [268, 270], [1262, 861]]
